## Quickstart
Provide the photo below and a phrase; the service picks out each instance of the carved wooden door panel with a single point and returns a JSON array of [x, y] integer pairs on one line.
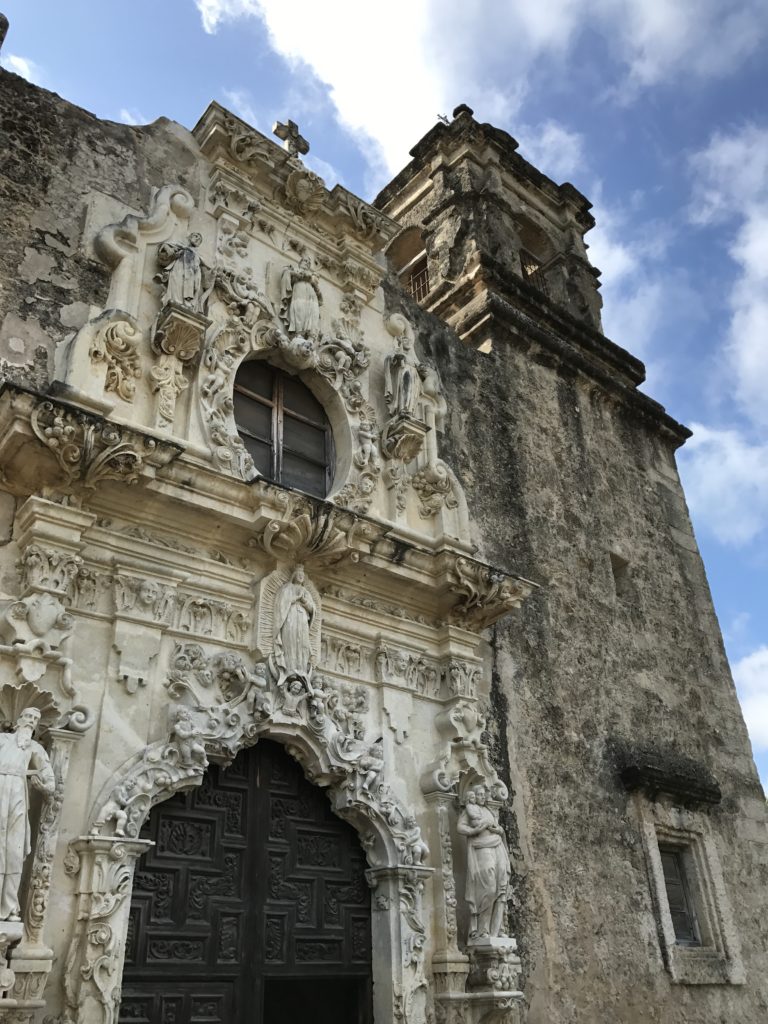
[[252, 907]]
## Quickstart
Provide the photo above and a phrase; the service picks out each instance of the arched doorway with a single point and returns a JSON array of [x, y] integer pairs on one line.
[[252, 906]]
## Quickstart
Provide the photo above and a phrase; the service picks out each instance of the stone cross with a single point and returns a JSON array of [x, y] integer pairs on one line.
[[291, 138]]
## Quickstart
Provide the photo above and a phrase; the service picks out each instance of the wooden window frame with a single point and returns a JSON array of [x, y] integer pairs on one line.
[[277, 440], [689, 903]]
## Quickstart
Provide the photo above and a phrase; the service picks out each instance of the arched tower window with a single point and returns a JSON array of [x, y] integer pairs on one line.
[[408, 258], [284, 428]]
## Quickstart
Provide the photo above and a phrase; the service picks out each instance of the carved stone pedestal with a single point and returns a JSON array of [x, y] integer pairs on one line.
[[492, 995], [177, 339], [403, 437]]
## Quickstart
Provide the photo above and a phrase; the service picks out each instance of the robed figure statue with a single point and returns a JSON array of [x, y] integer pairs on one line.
[[21, 759], [402, 384], [294, 614], [488, 867], [301, 300], [188, 282]]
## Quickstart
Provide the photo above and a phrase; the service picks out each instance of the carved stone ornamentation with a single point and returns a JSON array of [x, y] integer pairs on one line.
[[300, 301], [90, 450], [116, 344], [38, 620], [488, 867], [177, 339], [435, 487], [485, 594], [315, 533], [303, 192], [162, 769], [403, 438]]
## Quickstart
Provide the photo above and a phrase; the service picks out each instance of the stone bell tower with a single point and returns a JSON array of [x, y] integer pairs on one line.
[[487, 237]]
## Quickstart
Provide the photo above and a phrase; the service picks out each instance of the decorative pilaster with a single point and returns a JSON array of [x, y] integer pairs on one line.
[[94, 966], [399, 983]]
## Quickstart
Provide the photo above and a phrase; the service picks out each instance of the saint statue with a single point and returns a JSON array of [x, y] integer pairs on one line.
[[294, 614], [402, 384], [186, 279], [18, 751], [488, 867], [301, 300]]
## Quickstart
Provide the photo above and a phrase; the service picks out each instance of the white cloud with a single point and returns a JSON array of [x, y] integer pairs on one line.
[[553, 149], [726, 471], [390, 69], [726, 481], [239, 102], [751, 676], [731, 188], [23, 66], [131, 116]]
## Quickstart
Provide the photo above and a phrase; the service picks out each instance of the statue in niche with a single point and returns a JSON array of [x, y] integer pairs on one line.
[[295, 611], [402, 383], [488, 867], [19, 751], [188, 282], [301, 300]]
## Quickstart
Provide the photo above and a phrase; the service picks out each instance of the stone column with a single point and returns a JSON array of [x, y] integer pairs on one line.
[[399, 983], [94, 966], [450, 966]]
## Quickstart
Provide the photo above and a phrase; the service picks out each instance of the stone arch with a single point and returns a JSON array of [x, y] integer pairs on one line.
[[179, 761], [393, 849]]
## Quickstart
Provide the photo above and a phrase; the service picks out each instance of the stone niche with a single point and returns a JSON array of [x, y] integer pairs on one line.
[[174, 605]]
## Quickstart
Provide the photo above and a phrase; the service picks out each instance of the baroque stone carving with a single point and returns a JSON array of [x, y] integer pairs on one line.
[[18, 750], [90, 450], [300, 301], [488, 867], [186, 281], [295, 611], [485, 594], [303, 192], [435, 486], [117, 346]]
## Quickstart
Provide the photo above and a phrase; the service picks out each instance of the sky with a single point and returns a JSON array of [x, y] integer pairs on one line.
[[655, 109]]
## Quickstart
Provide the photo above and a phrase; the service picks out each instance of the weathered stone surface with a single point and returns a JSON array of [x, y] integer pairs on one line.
[[550, 461]]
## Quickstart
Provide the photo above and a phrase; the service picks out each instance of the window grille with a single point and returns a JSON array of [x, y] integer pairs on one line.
[[416, 279], [284, 428], [533, 272]]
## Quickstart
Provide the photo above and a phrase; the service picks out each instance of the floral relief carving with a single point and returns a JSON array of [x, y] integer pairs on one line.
[[435, 486]]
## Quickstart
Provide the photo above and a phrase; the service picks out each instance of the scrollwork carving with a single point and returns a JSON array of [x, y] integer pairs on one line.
[[89, 450], [117, 346]]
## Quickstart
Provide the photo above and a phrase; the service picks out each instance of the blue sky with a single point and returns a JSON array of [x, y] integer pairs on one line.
[[655, 109]]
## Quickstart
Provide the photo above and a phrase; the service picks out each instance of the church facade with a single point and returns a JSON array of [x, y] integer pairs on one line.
[[358, 661]]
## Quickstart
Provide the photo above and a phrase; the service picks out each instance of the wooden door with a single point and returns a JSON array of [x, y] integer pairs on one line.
[[252, 906]]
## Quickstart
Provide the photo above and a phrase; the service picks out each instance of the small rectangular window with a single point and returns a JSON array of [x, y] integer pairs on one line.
[[679, 896]]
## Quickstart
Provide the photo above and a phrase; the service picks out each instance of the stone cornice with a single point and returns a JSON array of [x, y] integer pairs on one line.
[[498, 305], [442, 140], [47, 442], [227, 140]]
